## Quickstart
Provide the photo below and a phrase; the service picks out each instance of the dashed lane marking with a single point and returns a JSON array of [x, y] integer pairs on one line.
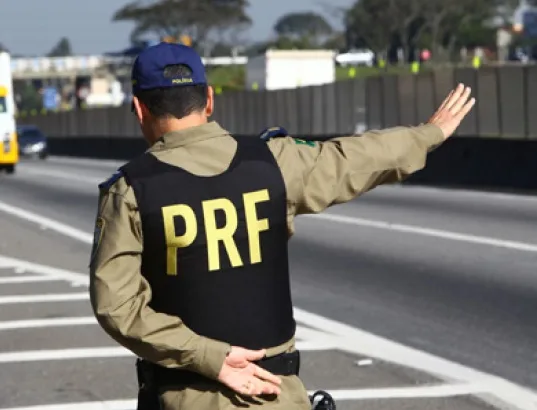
[[47, 323], [423, 231], [109, 352], [47, 298], [9, 280], [47, 271]]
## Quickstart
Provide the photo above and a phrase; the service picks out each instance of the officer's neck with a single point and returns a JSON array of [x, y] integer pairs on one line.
[[164, 126]]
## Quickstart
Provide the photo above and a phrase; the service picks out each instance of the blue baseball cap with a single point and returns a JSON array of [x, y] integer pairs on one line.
[[148, 68]]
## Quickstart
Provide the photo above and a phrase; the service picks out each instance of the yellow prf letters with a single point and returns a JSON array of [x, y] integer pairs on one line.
[[172, 240], [215, 234]]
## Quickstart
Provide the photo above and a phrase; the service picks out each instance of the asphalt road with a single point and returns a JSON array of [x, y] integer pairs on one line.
[[456, 276]]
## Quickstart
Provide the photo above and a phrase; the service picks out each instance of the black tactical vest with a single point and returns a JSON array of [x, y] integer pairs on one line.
[[215, 248]]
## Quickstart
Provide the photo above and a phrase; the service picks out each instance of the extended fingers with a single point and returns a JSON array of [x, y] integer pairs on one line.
[[461, 101], [465, 109], [255, 387], [455, 96], [445, 102], [266, 375]]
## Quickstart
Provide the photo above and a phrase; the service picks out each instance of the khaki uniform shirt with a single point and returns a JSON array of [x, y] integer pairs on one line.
[[316, 176]]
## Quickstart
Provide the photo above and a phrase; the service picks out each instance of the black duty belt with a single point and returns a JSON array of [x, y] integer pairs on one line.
[[285, 364]]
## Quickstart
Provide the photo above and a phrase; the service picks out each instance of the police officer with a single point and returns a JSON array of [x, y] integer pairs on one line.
[[189, 267]]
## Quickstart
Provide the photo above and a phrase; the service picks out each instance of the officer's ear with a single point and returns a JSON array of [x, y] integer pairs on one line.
[[139, 109], [209, 109]]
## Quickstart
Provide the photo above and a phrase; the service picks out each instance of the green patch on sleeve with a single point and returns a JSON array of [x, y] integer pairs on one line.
[[304, 142]]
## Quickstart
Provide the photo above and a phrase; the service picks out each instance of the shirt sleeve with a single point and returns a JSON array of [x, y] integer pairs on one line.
[[321, 174], [120, 295]]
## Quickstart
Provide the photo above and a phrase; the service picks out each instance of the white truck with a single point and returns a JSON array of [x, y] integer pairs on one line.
[[9, 149], [289, 69]]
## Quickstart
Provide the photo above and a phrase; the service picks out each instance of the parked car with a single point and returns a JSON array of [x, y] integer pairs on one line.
[[32, 142]]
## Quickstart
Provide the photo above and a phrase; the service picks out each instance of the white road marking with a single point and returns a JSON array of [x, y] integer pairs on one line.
[[61, 175], [64, 354], [86, 161], [306, 344], [7, 280], [49, 223], [418, 230], [45, 323], [445, 390], [338, 395], [96, 405], [60, 297], [360, 342], [102, 352], [438, 233], [460, 192], [56, 273], [313, 334], [342, 336], [315, 346], [364, 362]]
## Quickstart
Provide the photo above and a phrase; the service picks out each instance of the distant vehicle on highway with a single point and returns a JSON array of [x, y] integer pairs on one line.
[[356, 57], [32, 142], [9, 153]]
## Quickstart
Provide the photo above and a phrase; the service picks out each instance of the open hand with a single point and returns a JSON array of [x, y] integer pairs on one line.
[[453, 110], [241, 375]]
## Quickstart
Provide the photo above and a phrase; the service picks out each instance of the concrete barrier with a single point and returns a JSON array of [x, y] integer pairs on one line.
[[473, 162], [482, 163]]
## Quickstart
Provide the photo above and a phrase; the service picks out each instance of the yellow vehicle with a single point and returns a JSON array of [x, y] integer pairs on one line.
[[9, 148]]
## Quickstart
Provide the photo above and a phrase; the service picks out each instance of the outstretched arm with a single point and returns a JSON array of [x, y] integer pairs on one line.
[[322, 174]]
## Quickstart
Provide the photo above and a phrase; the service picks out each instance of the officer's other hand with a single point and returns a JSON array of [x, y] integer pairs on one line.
[[453, 110], [241, 375]]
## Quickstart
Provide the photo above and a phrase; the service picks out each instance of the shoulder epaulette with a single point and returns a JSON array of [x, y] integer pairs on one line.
[[273, 132], [111, 181]]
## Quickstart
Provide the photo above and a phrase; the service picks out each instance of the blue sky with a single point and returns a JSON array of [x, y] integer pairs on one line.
[[33, 27]]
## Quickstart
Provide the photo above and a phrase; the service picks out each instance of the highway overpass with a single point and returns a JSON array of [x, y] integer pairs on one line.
[[43, 68]]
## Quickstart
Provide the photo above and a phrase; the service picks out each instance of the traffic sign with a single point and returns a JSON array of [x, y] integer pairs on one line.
[[50, 98]]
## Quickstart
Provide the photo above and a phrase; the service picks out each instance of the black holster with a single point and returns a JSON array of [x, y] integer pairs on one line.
[[321, 400], [148, 398]]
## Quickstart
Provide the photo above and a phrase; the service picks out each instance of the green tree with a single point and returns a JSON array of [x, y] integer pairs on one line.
[[290, 43], [222, 49], [335, 42], [308, 26], [198, 19], [256, 49], [369, 24], [29, 98], [450, 21], [61, 49], [476, 35], [441, 25]]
